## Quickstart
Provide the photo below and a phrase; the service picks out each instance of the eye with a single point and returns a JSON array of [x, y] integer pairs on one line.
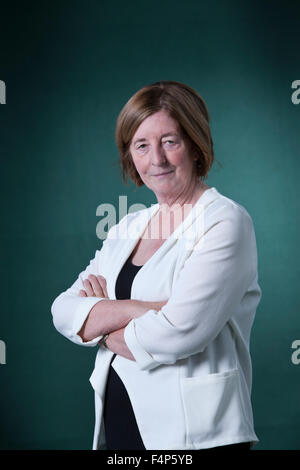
[[141, 147], [169, 142]]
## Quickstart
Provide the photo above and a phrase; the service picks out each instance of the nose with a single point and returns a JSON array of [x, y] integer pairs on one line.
[[158, 156]]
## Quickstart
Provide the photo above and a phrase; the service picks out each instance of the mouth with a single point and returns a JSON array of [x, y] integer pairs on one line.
[[162, 175]]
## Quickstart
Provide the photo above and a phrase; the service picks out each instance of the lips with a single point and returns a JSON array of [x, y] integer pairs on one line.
[[165, 173]]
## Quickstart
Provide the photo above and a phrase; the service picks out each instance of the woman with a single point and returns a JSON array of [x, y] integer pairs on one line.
[[171, 296]]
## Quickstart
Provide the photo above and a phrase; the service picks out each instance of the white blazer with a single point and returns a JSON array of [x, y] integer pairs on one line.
[[190, 386]]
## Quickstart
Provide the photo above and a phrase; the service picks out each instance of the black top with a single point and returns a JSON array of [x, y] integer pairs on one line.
[[121, 429]]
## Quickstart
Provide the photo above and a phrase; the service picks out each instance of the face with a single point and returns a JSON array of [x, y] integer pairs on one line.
[[162, 156]]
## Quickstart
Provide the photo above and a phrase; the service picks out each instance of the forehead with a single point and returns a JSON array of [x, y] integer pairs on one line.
[[157, 124]]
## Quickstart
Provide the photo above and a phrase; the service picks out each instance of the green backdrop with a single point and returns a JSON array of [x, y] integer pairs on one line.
[[69, 67]]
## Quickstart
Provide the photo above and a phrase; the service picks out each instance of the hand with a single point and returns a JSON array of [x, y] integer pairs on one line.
[[95, 286]]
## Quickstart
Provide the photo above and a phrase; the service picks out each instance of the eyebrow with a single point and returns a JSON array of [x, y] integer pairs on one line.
[[163, 135]]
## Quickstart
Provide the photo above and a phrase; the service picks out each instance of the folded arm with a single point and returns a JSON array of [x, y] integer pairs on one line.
[[116, 343], [84, 313], [111, 315]]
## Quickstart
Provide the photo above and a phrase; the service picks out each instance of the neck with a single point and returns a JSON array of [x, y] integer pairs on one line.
[[192, 195]]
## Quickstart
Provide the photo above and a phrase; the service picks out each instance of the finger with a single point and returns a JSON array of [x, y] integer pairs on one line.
[[102, 281], [96, 286], [88, 288], [82, 293]]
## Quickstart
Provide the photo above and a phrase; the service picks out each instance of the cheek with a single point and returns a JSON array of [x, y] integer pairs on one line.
[[140, 161], [139, 165], [185, 167], [181, 161], [180, 158]]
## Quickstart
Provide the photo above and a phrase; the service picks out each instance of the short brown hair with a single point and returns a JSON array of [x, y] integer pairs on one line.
[[184, 105]]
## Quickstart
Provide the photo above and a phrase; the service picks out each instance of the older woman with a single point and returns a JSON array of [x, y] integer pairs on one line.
[[171, 296]]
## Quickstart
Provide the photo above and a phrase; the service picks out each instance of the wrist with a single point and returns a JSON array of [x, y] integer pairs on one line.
[[103, 340]]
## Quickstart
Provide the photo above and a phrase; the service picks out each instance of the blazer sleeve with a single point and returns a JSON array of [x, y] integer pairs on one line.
[[205, 295], [69, 311]]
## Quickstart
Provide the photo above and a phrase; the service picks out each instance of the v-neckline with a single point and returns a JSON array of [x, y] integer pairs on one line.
[[150, 212], [153, 212]]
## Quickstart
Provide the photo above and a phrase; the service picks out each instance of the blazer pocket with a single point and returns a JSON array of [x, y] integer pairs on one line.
[[213, 406]]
